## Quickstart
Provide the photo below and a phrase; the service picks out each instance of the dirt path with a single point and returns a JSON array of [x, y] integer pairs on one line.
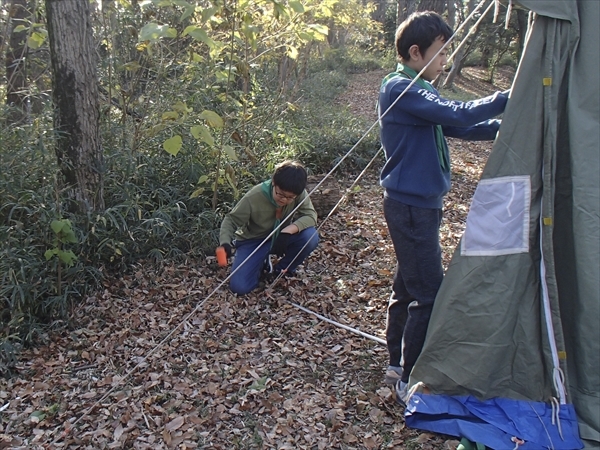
[[161, 360]]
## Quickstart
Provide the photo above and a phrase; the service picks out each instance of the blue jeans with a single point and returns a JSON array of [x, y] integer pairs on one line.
[[248, 275], [419, 273]]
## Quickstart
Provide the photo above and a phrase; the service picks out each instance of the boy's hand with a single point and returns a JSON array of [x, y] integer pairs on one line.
[[223, 253], [280, 244], [227, 248]]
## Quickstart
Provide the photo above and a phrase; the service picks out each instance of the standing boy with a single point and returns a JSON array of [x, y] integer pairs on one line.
[[416, 177], [257, 214]]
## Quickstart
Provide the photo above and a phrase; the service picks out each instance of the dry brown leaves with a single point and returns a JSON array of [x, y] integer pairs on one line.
[[241, 372]]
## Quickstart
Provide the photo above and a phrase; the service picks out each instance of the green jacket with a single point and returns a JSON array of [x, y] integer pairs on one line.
[[254, 216]]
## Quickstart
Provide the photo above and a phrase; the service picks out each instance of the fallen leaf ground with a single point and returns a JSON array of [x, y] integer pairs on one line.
[[163, 359]]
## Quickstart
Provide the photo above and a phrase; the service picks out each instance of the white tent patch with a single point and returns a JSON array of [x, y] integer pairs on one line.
[[498, 220]]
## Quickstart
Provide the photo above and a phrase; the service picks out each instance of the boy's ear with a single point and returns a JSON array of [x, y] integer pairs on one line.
[[414, 52]]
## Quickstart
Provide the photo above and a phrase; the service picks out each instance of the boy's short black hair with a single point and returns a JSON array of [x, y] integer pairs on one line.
[[290, 176], [420, 29]]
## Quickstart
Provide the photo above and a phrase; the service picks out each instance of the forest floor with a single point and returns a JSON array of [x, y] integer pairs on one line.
[[169, 358]]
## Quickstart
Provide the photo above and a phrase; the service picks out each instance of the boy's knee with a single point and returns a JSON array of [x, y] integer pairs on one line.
[[312, 237], [239, 287]]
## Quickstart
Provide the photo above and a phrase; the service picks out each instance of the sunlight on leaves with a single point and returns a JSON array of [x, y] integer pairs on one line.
[[36, 40], [197, 193], [170, 115], [198, 34], [173, 145], [182, 107], [132, 66], [292, 52], [154, 32], [212, 118], [297, 6], [279, 11], [188, 9], [321, 31], [230, 151], [197, 58], [202, 133]]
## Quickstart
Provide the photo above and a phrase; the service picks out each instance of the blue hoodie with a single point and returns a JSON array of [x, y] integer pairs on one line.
[[412, 173]]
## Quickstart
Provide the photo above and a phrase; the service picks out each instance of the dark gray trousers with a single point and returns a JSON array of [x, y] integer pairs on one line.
[[419, 273]]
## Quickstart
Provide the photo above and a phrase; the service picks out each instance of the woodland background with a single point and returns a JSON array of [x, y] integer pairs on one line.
[[128, 129]]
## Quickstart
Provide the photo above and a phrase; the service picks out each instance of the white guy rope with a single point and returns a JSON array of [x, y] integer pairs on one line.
[[337, 324], [210, 295]]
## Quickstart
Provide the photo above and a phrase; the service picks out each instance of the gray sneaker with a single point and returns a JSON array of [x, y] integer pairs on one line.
[[391, 377]]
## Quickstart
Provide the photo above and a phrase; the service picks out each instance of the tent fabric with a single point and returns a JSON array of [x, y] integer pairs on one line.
[[522, 322], [554, 9], [493, 423]]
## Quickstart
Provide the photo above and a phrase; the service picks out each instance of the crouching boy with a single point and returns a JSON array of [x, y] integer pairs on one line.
[[264, 208]]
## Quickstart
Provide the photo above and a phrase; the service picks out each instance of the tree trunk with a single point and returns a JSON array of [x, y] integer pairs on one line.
[[521, 31], [411, 7], [379, 13], [75, 96], [451, 14], [437, 6], [404, 9], [16, 55], [486, 55], [286, 66], [400, 12], [456, 68], [331, 36]]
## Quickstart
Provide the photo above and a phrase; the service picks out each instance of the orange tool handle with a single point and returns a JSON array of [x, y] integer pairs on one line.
[[221, 256]]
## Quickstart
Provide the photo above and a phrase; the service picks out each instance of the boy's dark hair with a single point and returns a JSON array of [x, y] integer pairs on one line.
[[420, 29], [290, 176]]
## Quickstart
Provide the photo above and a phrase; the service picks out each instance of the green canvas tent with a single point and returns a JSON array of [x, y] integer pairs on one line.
[[512, 355]]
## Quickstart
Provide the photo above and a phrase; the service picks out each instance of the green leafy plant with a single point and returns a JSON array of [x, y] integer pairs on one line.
[[63, 234]]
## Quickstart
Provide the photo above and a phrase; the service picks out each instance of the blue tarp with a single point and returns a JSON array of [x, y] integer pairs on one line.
[[492, 422]]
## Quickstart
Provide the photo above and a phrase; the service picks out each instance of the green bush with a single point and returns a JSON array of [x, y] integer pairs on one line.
[[149, 216], [333, 133]]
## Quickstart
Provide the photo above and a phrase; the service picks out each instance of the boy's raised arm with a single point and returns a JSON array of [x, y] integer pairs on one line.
[[433, 109], [483, 131]]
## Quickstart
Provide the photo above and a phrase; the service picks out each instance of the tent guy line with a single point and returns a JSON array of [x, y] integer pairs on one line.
[[495, 3], [70, 424], [337, 324]]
